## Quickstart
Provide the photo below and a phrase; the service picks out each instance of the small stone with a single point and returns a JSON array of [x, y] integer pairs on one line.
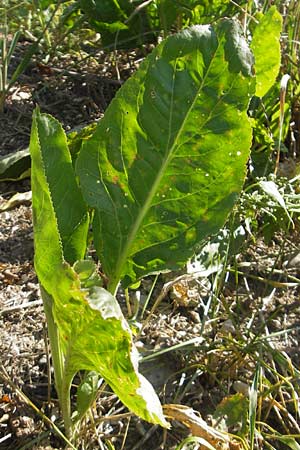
[[43, 360], [32, 286], [4, 418], [241, 387], [228, 327], [294, 262], [194, 316], [276, 324]]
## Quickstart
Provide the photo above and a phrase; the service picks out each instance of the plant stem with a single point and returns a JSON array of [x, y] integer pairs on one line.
[[62, 382], [3, 64], [65, 405]]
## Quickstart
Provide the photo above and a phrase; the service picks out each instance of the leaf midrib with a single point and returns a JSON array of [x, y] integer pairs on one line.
[[113, 284]]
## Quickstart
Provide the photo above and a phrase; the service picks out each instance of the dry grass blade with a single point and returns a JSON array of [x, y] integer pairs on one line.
[[6, 379]]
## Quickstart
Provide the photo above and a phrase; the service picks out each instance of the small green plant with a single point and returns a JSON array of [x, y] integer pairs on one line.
[[270, 205], [6, 52], [7, 49], [127, 24], [161, 172]]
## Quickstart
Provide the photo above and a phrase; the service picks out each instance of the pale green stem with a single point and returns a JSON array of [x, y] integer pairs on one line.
[[62, 384], [65, 405], [127, 298]]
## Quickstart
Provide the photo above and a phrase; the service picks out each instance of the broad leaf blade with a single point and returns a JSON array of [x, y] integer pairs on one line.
[[99, 339], [48, 255], [70, 210], [92, 331], [266, 48], [167, 161]]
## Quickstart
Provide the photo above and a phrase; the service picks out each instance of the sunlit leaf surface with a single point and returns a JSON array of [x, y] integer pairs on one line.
[[93, 333], [266, 48], [168, 160]]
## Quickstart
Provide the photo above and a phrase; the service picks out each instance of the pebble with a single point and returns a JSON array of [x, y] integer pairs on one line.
[[241, 387], [43, 360], [4, 418], [194, 316], [294, 262], [228, 327]]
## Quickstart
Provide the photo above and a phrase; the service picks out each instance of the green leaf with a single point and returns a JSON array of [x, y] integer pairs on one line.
[[32, 49], [100, 339], [91, 330], [188, 444], [253, 395], [234, 411], [266, 48], [70, 210], [117, 24], [288, 441], [168, 160], [12, 47], [15, 166], [86, 393], [195, 11], [271, 189]]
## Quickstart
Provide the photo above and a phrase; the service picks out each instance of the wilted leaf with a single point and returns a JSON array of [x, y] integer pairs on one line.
[[21, 198], [270, 188], [198, 426]]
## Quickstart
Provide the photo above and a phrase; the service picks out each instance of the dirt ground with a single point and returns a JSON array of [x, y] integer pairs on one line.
[[264, 301]]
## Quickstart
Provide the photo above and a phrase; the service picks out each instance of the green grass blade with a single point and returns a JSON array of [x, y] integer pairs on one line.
[[12, 46], [24, 63]]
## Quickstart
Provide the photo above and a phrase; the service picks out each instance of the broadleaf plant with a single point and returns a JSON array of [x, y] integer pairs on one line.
[[86, 327], [168, 160], [161, 172]]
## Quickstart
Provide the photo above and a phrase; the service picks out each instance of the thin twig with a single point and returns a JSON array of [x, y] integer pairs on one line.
[[20, 307]]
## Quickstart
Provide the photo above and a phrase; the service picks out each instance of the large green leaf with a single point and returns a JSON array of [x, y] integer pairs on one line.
[[70, 209], [195, 11], [91, 330], [168, 159], [266, 48]]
